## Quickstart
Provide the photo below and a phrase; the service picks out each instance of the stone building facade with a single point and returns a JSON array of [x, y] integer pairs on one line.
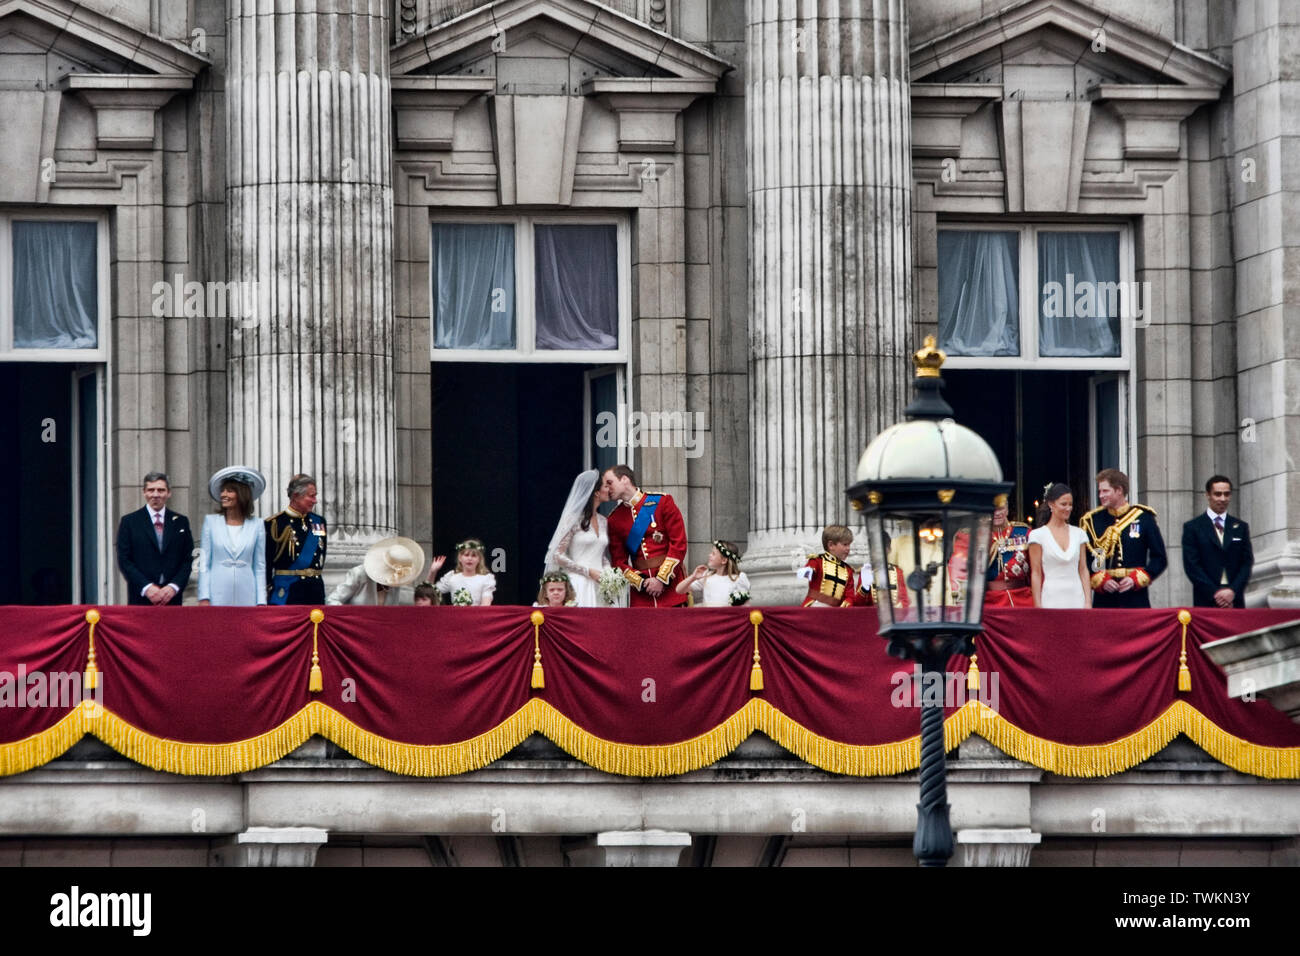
[[780, 208], [275, 233]]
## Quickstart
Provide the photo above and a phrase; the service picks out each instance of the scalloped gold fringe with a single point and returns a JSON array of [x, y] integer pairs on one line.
[[41, 748], [1100, 760], [646, 761]]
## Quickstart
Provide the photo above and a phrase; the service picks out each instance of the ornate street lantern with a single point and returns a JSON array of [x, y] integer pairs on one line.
[[927, 488]]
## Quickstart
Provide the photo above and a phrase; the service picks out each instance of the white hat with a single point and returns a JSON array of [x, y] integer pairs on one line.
[[394, 562], [242, 473]]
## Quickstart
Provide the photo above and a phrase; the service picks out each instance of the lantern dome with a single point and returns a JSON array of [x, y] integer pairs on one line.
[[926, 448]]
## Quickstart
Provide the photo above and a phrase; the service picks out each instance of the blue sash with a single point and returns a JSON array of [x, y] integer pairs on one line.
[[281, 583], [641, 523]]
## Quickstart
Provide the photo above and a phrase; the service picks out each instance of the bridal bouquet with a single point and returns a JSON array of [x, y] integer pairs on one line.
[[462, 598], [611, 585], [739, 597]]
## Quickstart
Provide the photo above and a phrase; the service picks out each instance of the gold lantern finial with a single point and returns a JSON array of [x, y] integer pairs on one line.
[[928, 359]]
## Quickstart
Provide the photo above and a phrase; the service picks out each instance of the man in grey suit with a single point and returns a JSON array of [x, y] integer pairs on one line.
[[1216, 551]]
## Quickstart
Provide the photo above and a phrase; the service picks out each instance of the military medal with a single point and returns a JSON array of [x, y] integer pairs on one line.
[[1135, 530]]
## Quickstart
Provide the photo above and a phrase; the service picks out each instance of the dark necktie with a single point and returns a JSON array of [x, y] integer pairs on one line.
[[1218, 524], [158, 529]]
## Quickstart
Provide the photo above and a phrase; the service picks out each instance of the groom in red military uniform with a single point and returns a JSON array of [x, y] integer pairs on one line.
[[647, 540]]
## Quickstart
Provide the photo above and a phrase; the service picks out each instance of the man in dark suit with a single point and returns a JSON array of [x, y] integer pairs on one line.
[[154, 547], [1216, 551]]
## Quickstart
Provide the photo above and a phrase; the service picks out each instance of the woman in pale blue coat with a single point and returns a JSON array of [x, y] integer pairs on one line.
[[232, 550]]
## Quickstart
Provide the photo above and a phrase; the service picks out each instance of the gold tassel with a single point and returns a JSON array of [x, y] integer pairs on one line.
[[317, 683], [90, 679], [756, 672], [973, 674], [539, 676], [1184, 672]]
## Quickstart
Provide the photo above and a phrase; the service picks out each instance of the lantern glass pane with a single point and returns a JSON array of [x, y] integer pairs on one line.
[[979, 567], [878, 547]]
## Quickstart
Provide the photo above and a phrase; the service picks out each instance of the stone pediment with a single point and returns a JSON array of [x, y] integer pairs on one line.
[[1101, 47], [590, 40], [51, 47], [542, 64], [1045, 65], [90, 42]]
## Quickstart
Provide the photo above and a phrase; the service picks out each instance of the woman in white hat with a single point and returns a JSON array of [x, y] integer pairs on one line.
[[232, 551]]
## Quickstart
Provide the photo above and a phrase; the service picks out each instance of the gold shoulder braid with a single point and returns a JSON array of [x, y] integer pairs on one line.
[[286, 539], [1107, 545]]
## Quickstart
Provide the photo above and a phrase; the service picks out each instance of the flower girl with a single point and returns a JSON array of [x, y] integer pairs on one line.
[[720, 583], [470, 584]]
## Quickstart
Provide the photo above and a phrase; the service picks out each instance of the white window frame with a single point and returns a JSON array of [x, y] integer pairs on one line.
[[625, 452], [103, 287], [106, 563], [1123, 401], [525, 349], [1029, 298]]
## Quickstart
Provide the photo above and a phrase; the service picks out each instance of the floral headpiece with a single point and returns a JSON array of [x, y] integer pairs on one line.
[[469, 544], [554, 577], [725, 551]]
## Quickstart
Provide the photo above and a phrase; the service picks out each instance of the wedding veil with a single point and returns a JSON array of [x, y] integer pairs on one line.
[[584, 486]]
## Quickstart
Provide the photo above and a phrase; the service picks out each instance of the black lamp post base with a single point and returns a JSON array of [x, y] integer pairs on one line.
[[932, 844]]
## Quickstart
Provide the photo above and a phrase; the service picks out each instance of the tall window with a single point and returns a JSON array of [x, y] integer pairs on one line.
[[52, 288], [1042, 295], [529, 288]]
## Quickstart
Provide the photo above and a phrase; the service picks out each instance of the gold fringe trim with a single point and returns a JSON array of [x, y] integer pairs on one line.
[[439, 760], [1100, 760], [431, 760], [634, 760], [859, 760], [208, 760], [41, 748]]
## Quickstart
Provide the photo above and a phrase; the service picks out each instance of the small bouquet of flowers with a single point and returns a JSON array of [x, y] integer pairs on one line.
[[738, 597], [462, 598], [611, 585]]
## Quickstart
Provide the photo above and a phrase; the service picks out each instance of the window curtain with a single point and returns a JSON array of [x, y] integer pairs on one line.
[[473, 285], [1078, 279], [56, 289], [979, 299], [577, 287]]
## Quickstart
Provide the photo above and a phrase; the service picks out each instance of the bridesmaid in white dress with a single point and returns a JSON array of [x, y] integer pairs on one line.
[[580, 545], [232, 549], [1058, 560], [471, 575]]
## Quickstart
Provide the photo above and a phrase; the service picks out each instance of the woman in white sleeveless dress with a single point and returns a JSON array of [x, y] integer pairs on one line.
[[1058, 565], [580, 545]]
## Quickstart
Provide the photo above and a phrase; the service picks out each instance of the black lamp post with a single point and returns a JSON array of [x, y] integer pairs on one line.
[[927, 488]]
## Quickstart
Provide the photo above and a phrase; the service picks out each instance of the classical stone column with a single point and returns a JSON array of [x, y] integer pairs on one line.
[[310, 206], [1265, 241], [828, 118]]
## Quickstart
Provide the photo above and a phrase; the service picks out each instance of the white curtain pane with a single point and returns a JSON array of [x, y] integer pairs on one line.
[[1081, 299], [56, 289], [577, 287], [979, 297], [473, 285]]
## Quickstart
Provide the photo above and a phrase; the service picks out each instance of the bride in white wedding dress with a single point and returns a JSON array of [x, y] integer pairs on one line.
[[580, 545]]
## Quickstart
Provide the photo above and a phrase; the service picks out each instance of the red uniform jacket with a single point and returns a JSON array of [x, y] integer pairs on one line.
[[661, 553], [833, 583]]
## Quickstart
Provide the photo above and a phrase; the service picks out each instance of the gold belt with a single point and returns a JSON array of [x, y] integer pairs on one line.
[[307, 573]]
